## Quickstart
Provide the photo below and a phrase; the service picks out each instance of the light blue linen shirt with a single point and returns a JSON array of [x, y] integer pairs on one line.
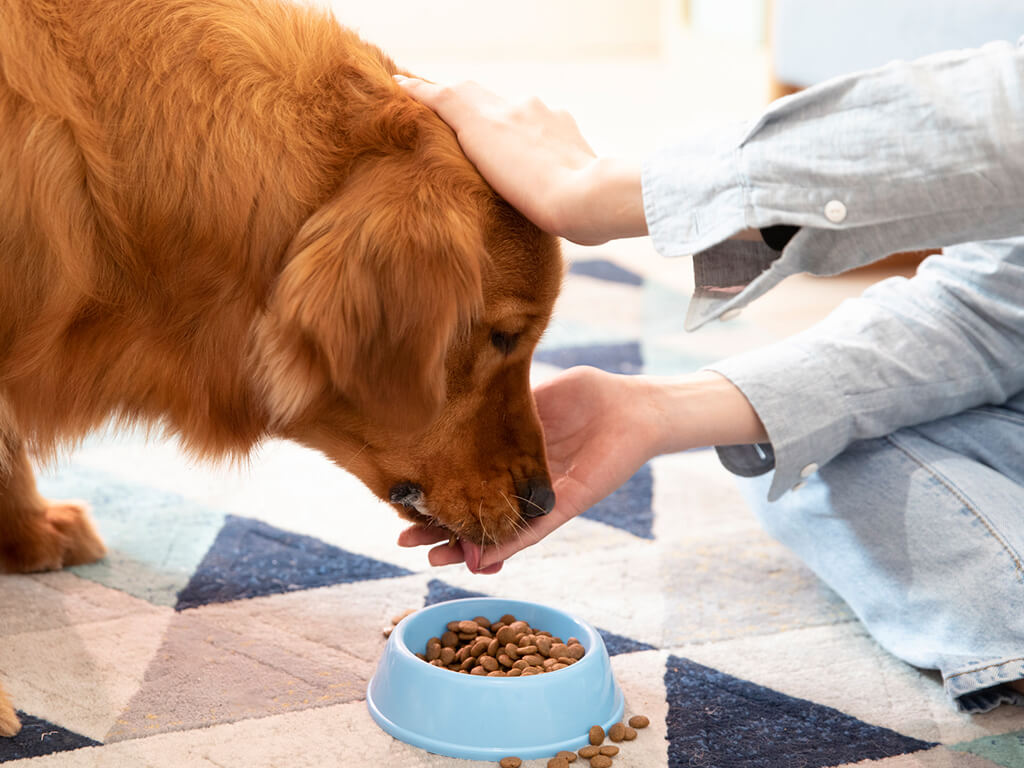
[[913, 155]]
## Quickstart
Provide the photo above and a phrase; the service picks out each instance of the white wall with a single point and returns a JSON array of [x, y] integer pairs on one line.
[[519, 29]]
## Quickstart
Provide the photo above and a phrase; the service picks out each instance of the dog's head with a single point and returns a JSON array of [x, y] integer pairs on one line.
[[398, 338]]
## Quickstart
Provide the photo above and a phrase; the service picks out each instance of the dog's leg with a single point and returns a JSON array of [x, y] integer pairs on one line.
[[9, 725], [36, 534]]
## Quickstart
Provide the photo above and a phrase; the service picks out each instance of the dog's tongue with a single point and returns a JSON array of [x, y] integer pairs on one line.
[[471, 552]]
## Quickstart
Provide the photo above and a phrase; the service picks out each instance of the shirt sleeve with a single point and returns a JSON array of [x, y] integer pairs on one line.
[[914, 155], [906, 352]]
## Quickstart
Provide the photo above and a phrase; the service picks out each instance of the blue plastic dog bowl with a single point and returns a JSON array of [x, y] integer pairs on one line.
[[487, 718]]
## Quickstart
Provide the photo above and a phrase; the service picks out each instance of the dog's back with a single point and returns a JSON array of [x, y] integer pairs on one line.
[[158, 159]]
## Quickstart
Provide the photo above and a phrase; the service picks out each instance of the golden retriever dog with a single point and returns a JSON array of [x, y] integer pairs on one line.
[[222, 217]]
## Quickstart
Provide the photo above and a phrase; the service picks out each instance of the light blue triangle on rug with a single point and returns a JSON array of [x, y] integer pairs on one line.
[[155, 539], [1004, 749]]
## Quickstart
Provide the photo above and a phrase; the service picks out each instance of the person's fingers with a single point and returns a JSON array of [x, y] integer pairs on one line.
[[418, 535], [445, 555], [458, 105], [447, 101], [420, 90]]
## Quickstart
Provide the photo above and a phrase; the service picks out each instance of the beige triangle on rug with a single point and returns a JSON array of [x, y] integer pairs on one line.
[[222, 663], [82, 675]]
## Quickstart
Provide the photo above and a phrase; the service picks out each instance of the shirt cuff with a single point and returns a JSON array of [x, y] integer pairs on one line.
[[693, 192], [804, 416]]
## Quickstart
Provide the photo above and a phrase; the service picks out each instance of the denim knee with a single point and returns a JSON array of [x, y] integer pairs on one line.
[[924, 545]]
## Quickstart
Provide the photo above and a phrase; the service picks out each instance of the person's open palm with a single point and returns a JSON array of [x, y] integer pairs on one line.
[[596, 440]]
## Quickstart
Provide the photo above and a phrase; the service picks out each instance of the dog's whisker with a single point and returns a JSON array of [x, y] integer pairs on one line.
[[531, 503], [483, 527], [510, 505], [520, 529], [515, 516], [515, 524]]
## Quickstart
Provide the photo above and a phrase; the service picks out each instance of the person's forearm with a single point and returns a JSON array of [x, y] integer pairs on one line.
[[700, 409], [612, 205]]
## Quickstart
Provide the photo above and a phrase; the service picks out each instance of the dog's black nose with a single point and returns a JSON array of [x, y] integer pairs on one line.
[[408, 494], [535, 497]]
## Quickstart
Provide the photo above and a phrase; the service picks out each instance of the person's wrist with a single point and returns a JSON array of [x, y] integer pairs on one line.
[[657, 403], [697, 410], [601, 201]]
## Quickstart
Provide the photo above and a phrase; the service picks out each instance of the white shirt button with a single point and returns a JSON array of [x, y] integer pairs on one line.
[[729, 314], [835, 211], [799, 485], [809, 470]]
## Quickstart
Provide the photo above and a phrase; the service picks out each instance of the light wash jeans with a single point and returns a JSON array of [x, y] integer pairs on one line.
[[922, 533]]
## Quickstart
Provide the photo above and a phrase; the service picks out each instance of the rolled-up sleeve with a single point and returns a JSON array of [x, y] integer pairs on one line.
[[923, 154]]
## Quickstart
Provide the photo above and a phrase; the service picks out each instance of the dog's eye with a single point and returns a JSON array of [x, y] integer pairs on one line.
[[504, 342]]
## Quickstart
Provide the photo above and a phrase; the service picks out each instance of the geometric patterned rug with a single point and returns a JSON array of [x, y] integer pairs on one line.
[[237, 619]]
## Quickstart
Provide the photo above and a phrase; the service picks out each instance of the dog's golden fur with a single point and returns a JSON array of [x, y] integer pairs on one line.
[[224, 218]]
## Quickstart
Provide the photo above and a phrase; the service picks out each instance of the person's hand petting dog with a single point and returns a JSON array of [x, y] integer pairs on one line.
[[539, 162], [600, 428]]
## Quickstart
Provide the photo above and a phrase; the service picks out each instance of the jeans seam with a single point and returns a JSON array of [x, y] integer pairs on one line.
[[981, 669], [1000, 413], [948, 485]]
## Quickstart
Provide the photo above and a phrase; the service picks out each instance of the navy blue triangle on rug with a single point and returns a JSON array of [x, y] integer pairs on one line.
[[630, 507], [619, 644], [250, 558], [720, 720], [440, 592], [609, 271], [40, 737]]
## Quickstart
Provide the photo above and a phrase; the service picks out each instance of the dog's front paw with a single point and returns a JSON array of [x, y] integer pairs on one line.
[[81, 542], [60, 536], [9, 723]]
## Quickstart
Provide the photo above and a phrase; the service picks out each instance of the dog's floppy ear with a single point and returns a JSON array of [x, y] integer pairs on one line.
[[375, 286]]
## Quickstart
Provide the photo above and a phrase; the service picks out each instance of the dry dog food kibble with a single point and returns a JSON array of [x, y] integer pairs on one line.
[[396, 619], [598, 755], [510, 762], [504, 648], [639, 721], [402, 615]]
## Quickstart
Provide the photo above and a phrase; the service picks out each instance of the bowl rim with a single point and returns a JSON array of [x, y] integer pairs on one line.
[[579, 668]]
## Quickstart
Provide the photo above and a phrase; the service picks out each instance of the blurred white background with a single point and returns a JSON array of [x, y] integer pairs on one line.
[[634, 74]]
